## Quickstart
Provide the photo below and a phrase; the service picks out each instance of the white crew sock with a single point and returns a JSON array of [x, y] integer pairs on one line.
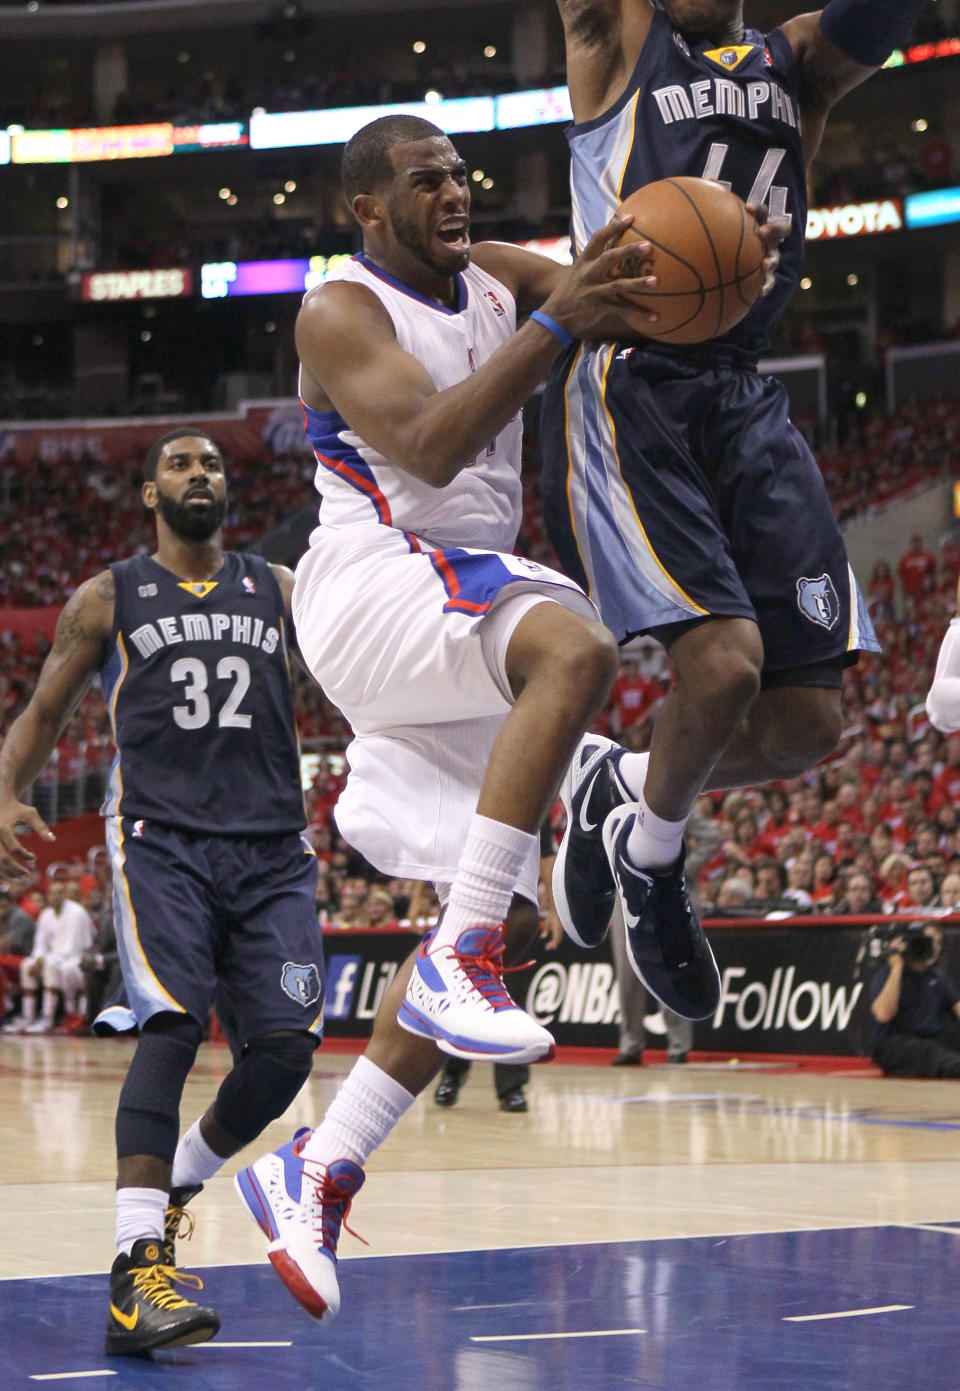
[[633, 770], [194, 1161], [28, 1007], [653, 843], [487, 876], [360, 1117], [140, 1213]]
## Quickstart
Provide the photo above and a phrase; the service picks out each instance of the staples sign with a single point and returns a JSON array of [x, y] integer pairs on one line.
[[110, 285], [855, 220]]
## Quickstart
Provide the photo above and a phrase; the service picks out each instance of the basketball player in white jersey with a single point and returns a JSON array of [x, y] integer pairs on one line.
[[468, 675]]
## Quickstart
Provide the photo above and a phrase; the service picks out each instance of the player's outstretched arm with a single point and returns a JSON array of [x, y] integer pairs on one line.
[[347, 343], [841, 45], [82, 632], [604, 39]]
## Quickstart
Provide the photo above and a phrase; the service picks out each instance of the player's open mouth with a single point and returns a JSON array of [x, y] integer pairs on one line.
[[457, 235]]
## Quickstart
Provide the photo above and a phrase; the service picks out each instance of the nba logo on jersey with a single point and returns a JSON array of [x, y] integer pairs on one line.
[[249, 585], [138, 830], [498, 308], [818, 600]]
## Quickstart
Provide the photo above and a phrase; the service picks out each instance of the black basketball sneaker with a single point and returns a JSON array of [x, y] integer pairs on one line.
[[146, 1311], [584, 892], [665, 942]]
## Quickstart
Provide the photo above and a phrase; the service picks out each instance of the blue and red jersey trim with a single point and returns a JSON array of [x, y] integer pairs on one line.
[[471, 581], [323, 428]]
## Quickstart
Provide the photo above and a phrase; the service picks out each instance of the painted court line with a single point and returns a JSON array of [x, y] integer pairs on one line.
[[541, 1337], [848, 1313], [520, 1304], [217, 1344], [933, 1227], [70, 1376]]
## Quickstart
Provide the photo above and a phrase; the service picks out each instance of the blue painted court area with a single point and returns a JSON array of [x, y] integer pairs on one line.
[[710, 1313]]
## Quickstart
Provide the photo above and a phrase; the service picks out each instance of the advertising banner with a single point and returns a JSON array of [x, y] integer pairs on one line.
[[785, 989], [104, 286]]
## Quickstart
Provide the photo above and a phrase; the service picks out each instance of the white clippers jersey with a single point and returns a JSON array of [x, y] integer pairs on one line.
[[481, 507]]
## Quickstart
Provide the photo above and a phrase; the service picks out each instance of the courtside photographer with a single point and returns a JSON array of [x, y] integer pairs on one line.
[[915, 1007]]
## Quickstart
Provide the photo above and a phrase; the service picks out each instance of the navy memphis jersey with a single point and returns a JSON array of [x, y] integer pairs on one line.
[[729, 114], [198, 688]]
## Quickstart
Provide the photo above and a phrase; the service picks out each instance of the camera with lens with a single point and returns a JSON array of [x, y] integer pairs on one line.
[[878, 942], [918, 944]]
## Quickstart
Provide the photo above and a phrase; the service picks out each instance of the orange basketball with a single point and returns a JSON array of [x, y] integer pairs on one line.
[[707, 257]]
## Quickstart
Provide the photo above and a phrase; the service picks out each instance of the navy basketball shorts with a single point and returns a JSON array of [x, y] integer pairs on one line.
[[197, 912], [676, 491]]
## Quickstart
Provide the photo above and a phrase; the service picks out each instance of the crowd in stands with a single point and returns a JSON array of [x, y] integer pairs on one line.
[[215, 95], [873, 830], [891, 173], [83, 514]]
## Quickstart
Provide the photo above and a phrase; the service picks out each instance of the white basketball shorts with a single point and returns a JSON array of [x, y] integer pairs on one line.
[[409, 643]]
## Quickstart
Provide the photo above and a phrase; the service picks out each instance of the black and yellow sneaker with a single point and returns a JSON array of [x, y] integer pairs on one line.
[[177, 1222], [146, 1311]]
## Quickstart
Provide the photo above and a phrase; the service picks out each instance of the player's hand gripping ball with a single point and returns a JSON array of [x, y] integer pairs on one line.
[[707, 257]]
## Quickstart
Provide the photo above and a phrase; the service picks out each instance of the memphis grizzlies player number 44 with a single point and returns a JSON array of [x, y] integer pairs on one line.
[[676, 489]]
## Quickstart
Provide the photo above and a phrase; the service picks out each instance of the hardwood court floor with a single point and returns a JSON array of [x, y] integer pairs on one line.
[[661, 1198]]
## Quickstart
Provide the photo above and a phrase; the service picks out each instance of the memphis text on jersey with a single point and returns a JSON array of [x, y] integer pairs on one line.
[[718, 96], [204, 627]]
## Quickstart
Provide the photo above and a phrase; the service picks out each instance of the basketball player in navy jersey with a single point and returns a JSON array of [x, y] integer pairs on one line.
[[676, 490], [214, 886]]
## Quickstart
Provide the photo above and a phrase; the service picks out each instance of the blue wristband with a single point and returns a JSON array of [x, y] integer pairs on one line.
[[552, 327]]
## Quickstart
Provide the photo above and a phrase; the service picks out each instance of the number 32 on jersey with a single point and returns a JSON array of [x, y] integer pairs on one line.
[[196, 713]]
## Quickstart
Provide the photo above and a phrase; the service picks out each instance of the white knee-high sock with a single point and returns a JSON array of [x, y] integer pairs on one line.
[[194, 1161], [360, 1117], [487, 876]]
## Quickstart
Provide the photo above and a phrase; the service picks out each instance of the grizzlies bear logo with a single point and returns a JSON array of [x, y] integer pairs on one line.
[[301, 983], [818, 600]]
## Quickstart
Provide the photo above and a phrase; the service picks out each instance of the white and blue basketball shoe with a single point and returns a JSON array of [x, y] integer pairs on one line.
[[300, 1206], [456, 997], [584, 892], [665, 942]]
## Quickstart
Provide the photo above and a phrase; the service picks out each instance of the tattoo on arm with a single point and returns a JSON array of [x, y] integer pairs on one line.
[[72, 628], [70, 631]]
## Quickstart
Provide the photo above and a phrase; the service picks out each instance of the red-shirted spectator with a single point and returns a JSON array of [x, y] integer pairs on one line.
[[631, 698], [914, 565], [824, 882]]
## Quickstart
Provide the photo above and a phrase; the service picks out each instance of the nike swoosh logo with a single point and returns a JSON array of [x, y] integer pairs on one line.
[[129, 1321], [582, 821]]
